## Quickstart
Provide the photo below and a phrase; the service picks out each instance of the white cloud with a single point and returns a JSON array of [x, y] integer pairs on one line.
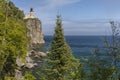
[[51, 4], [78, 28]]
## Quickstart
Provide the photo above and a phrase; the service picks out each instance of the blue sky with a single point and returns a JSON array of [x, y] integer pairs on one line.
[[80, 17]]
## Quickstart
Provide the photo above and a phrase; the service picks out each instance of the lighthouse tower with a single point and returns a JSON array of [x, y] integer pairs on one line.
[[30, 15]]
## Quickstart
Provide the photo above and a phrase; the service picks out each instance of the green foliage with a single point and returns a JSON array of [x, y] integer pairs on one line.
[[9, 78], [13, 40], [13, 11], [60, 63], [29, 76], [99, 67], [104, 64]]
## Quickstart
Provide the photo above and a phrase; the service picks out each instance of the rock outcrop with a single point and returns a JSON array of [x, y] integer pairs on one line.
[[29, 63], [35, 31], [35, 35]]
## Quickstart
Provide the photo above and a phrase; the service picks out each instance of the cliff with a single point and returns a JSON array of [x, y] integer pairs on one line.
[[35, 31], [33, 56]]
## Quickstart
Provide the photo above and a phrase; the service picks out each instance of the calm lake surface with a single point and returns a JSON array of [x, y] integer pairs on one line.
[[80, 45]]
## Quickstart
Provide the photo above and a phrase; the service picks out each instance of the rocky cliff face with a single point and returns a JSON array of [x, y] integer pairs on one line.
[[35, 34], [35, 31]]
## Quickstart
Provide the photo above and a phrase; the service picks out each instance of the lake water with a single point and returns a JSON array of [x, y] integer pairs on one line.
[[80, 45]]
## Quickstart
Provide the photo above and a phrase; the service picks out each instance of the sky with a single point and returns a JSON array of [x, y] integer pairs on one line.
[[79, 17]]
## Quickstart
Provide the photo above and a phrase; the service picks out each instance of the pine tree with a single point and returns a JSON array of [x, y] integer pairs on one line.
[[61, 64]]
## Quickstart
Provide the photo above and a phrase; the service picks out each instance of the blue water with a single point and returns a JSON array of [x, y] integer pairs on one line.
[[80, 45]]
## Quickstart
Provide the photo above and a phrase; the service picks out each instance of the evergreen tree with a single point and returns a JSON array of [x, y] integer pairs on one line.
[[60, 64]]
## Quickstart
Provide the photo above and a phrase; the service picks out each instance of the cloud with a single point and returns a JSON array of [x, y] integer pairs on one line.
[[72, 27], [52, 4], [78, 28], [60, 3]]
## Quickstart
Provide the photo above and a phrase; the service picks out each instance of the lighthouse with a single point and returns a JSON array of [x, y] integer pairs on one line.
[[30, 15]]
